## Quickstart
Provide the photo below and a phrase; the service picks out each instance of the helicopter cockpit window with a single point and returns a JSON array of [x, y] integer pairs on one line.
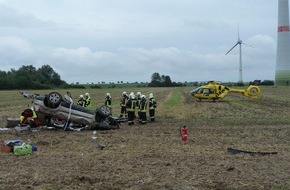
[[197, 91], [206, 91]]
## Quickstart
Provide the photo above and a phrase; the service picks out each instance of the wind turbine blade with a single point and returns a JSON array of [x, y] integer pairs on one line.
[[238, 33], [248, 45], [232, 48]]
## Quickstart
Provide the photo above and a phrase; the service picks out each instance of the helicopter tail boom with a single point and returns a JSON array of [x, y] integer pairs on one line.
[[252, 91]]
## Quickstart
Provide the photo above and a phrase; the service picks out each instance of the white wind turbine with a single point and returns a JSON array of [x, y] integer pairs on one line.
[[239, 42]]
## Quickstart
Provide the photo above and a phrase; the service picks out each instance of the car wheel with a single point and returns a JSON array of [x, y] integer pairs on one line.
[[54, 99], [104, 111]]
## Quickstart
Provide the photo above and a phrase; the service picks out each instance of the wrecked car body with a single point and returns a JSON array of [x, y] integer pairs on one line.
[[54, 105]]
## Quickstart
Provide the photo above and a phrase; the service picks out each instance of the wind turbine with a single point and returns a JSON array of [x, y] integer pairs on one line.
[[239, 42]]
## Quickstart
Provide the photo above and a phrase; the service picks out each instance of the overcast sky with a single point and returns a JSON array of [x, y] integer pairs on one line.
[[89, 41]]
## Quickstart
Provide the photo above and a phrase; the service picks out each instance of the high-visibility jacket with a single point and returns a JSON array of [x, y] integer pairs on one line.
[[131, 105], [81, 102], [143, 105], [88, 102], [108, 101], [27, 115], [123, 101], [138, 102], [152, 103]]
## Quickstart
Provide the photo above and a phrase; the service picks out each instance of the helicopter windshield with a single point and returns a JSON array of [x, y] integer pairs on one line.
[[197, 91]]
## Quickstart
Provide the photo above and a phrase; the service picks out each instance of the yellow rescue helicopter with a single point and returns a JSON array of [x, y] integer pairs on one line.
[[214, 91]]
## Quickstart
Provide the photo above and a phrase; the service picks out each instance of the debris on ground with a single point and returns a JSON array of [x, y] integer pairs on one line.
[[237, 151], [17, 147]]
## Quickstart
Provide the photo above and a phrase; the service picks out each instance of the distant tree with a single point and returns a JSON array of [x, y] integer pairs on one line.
[[49, 76], [155, 77], [167, 81], [156, 80], [4, 83], [162, 81]]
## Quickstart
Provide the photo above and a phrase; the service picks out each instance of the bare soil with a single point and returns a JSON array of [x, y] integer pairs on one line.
[[152, 156]]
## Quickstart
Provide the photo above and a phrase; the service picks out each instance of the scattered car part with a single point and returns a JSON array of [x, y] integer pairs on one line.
[[237, 151]]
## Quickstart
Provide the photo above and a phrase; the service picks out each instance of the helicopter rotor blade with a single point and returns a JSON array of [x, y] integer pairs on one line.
[[232, 48]]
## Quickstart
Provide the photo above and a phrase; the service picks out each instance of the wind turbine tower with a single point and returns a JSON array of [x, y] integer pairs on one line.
[[282, 75], [239, 42]]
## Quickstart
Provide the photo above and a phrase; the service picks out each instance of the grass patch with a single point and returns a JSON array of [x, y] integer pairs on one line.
[[174, 98], [282, 186]]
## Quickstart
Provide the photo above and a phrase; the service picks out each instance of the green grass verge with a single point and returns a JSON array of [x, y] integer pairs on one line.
[[174, 99]]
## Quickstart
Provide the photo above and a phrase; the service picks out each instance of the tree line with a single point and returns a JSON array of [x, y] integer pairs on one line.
[[28, 77], [158, 80]]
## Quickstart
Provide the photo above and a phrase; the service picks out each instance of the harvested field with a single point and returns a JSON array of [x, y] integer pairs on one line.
[[152, 156]]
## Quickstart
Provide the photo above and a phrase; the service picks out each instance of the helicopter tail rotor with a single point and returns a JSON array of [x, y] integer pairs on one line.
[[252, 91]]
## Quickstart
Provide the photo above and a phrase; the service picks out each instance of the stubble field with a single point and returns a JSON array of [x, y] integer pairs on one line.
[[152, 156]]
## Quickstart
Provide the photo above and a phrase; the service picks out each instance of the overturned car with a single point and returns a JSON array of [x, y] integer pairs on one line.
[[54, 105]]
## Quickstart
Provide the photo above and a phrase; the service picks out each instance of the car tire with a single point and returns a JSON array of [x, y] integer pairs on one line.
[[104, 111], [54, 99]]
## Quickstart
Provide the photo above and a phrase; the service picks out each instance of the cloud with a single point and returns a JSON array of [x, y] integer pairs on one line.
[[14, 50], [11, 18], [128, 40]]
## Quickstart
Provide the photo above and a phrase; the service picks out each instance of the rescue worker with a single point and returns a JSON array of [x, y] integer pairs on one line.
[[123, 101], [88, 102], [130, 107], [138, 101], [81, 101], [143, 108], [108, 101], [135, 102], [152, 106], [29, 118]]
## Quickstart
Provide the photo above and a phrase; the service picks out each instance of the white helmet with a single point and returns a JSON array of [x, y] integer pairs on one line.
[[81, 96], [151, 95], [132, 95], [124, 93], [138, 94], [108, 94], [87, 94], [143, 96]]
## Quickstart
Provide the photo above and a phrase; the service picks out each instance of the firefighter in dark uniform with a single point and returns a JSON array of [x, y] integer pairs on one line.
[[108, 101], [130, 107], [152, 106], [81, 101], [123, 101], [138, 101], [135, 102], [143, 109]]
